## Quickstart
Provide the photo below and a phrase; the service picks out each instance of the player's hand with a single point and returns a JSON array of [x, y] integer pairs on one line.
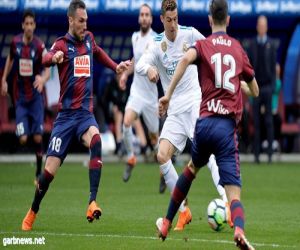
[[38, 83], [122, 81], [3, 88], [153, 74], [163, 105], [58, 57], [122, 66]]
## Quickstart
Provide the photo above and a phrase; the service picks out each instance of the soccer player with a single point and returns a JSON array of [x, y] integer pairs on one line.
[[160, 61], [222, 63], [26, 52], [143, 98], [73, 54]]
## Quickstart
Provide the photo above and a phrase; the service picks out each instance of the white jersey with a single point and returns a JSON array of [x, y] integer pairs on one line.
[[165, 55], [141, 86]]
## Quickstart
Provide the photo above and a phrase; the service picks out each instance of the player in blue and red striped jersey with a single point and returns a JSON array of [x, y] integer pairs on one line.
[[74, 54], [26, 52], [222, 64]]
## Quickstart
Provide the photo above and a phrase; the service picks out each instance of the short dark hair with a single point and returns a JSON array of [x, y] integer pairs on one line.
[[74, 5], [219, 11], [146, 5], [27, 13], [168, 5]]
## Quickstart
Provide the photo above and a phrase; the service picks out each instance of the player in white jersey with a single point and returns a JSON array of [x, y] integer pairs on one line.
[[160, 61], [143, 98]]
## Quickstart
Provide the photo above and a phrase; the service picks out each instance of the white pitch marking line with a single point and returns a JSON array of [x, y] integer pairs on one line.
[[144, 238]]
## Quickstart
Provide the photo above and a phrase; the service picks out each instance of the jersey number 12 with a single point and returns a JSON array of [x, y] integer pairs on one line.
[[228, 60]]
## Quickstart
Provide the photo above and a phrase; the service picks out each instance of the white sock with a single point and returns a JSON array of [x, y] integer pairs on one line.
[[170, 175], [214, 169], [128, 138]]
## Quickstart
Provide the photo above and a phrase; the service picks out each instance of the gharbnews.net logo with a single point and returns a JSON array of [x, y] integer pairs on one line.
[[23, 241]]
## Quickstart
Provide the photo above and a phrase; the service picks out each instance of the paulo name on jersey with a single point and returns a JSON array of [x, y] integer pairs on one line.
[[76, 70], [165, 55], [224, 56], [141, 86]]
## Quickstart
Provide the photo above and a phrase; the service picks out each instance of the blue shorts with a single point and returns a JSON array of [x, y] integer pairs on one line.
[[218, 136], [30, 117], [68, 124]]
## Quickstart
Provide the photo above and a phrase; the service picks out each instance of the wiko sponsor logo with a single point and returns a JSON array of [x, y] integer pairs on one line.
[[217, 107]]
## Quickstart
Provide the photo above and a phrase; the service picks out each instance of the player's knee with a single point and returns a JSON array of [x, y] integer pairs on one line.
[[37, 138], [162, 157], [23, 140]]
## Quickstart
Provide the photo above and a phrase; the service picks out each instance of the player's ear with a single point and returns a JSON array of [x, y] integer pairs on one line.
[[161, 18], [227, 21], [210, 21], [70, 20]]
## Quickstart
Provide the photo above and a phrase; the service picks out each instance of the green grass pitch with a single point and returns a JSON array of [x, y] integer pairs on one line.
[[271, 197]]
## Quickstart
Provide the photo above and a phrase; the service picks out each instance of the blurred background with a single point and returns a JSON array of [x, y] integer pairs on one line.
[[114, 21]]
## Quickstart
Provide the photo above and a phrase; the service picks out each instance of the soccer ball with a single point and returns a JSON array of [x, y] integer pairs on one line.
[[159, 223], [216, 214]]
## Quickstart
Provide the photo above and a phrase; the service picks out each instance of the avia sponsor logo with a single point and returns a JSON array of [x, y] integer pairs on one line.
[[217, 108], [221, 41], [25, 67], [82, 66]]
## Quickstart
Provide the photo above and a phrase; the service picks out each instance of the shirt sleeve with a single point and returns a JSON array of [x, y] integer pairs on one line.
[[196, 35], [147, 60], [102, 57], [47, 58]]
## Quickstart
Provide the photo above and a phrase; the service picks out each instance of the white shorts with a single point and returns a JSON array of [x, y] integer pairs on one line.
[[148, 111], [179, 127]]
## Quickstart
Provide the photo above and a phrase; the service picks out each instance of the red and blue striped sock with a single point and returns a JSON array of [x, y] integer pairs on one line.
[[41, 189], [180, 191], [95, 166], [237, 214]]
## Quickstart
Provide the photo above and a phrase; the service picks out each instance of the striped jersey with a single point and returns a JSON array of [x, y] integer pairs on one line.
[[76, 70], [28, 63]]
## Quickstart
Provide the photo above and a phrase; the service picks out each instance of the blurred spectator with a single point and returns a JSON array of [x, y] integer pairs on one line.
[[277, 120], [262, 54]]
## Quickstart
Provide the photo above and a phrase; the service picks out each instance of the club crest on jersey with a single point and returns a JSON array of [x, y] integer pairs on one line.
[[25, 67], [82, 66], [185, 47], [32, 53], [164, 46], [18, 51], [88, 44]]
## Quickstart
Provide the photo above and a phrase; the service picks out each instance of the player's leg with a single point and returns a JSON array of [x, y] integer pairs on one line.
[[52, 164], [118, 119], [140, 133], [173, 139], [132, 110], [38, 148], [22, 123], [37, 120], [227, 156], [61, 136], [91, 139]]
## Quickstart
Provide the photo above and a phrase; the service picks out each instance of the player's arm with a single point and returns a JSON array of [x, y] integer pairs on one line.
[[124, 76], [250, 88], [7, 68], [41, 79], [145, 65], [249, 85], [189, 57]]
